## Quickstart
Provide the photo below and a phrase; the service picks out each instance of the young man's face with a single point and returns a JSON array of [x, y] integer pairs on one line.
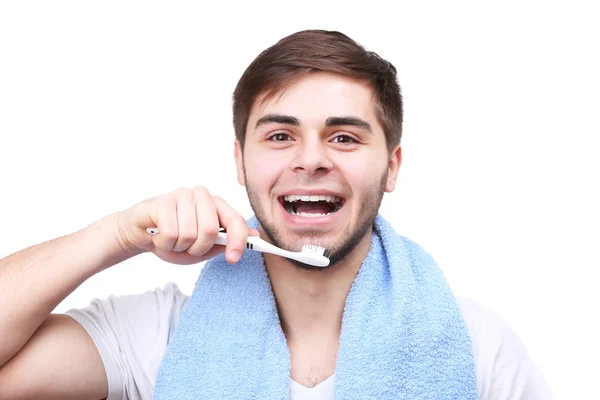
[[315, 164]]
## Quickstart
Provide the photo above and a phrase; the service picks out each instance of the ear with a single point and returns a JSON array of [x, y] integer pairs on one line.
[[239, 162], [393, 168]]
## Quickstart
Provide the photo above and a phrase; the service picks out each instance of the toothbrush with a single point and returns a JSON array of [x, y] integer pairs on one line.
[[312, 255]]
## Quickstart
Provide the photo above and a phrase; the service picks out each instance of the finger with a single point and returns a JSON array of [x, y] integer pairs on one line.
[[215, 250], [206, 220], [253, 232], [185, 258], [186, 219], [237, 230], [164, 215]]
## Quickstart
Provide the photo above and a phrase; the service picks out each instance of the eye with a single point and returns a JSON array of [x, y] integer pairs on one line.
[[280, 137], [344, 139]]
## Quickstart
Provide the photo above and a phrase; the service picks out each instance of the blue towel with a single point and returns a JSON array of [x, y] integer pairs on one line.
[[402, 334]]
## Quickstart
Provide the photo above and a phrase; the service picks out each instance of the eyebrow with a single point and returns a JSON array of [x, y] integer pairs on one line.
[[352, 121], [277, 119], [331, 121]]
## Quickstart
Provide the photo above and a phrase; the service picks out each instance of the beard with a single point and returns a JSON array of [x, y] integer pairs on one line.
[[370, 202]]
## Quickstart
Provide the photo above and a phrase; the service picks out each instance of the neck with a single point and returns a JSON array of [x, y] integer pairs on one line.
[[311, 302]]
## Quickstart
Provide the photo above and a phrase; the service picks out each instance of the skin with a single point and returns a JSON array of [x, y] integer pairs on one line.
[[293, 155]]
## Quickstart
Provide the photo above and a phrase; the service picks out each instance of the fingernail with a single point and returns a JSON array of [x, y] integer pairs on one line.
[[234, 255]]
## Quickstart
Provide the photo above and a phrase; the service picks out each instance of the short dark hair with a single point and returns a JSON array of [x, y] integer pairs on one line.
[[318, 50]]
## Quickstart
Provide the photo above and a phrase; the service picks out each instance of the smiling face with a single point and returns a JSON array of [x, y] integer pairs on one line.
[[315, 164]]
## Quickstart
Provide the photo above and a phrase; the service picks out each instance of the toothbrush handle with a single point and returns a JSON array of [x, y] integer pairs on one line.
[[257, 244], [252, 243], [221, 238]]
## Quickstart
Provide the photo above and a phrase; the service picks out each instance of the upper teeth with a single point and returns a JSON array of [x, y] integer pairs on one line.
[[296, 197]]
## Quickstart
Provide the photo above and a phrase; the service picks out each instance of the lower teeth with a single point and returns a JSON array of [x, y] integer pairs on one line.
[[303, 214], [290, 209]]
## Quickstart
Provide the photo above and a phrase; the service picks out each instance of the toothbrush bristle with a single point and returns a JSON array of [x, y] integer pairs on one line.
[[316, 249]]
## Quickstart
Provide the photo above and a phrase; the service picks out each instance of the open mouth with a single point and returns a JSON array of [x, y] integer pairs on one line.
[[311, 206]]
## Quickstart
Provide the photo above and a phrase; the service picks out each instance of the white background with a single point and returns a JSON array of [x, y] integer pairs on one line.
[[104, 104]]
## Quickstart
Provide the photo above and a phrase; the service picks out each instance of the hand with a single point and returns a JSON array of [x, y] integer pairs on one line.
[[188, 221]]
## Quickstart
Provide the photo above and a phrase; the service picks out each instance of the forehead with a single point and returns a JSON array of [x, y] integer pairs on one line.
[[320, 95]]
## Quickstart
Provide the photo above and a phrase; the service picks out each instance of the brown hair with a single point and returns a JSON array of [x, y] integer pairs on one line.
[[317, 50]]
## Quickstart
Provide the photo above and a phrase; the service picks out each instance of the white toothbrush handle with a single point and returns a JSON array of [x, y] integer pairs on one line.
[[221, 238], [253, 243], [257, 244]]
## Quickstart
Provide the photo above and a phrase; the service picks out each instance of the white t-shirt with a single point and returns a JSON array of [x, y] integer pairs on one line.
[[132, 333]]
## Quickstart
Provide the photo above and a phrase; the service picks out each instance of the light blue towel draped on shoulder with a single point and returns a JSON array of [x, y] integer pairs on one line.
[[402, 336]]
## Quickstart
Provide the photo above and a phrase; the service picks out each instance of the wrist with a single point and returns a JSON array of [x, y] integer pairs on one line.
[[105, 243]]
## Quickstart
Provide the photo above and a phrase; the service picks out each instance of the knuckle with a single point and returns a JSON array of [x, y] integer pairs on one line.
[[187, 236], [199, 247], [169, 235], [238, 235], [207, 234], [223, 204], [240, 224], [200, 190], [182, 193], [163, 247]]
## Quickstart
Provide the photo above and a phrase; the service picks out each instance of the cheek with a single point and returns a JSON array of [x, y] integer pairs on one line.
[[262, 172], [361, 173]]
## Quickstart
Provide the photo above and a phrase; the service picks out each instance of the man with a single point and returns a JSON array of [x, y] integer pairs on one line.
[[318, 122]]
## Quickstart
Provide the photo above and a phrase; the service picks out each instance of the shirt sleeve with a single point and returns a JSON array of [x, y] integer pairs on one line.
[[132, 333], [504, 369]]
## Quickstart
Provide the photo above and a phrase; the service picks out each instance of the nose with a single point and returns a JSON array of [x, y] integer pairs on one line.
[[311, 156]]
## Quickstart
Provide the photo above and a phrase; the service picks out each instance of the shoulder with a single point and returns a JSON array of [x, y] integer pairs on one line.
[[132, 333], [504, 369], [129, 311]]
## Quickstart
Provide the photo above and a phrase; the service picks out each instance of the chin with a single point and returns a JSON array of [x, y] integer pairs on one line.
[[342, 252]]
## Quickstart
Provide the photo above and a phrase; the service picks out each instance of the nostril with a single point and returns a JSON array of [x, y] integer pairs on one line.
[[312, 161]]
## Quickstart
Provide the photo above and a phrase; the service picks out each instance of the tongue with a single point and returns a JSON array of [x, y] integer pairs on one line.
[[312, 207]]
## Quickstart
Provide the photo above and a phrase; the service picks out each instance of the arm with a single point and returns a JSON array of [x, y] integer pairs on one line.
[[52, 356], [35, 344], [504, 369]]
